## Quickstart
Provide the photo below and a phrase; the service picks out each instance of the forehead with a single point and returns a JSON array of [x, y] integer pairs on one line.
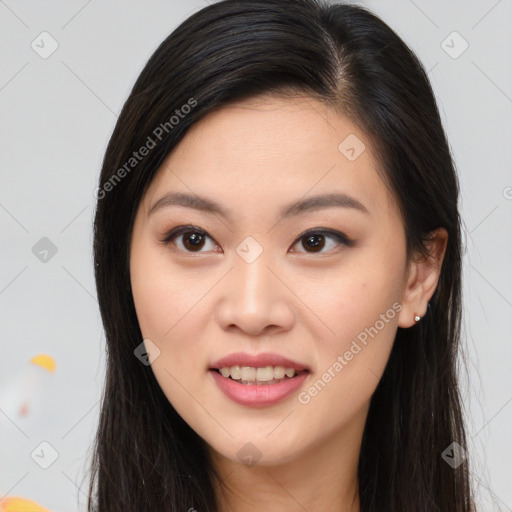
[[272, 150]]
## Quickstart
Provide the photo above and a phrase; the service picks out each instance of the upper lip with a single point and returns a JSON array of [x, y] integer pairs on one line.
[[257, 361]]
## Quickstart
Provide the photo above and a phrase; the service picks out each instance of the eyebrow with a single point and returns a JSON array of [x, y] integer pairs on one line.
[[305, 205]]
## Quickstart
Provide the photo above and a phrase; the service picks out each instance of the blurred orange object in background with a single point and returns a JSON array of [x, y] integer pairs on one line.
[[17, 504]]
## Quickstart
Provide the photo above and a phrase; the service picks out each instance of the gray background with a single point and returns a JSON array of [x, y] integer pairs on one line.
[[57, 115]]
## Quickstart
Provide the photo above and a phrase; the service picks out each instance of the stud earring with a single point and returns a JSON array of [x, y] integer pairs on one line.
[[417, 318]]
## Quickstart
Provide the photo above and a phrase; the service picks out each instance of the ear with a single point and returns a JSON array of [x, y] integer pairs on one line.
[[422, 278]]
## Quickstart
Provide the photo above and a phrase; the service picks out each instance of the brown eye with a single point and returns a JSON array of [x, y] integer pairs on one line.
[[192, 239], [315, 241]]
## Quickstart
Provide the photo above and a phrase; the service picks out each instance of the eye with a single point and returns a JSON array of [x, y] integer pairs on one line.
[[315, 239], [193, 239]]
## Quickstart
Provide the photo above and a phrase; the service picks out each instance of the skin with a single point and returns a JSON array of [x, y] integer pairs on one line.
[[199, 304]]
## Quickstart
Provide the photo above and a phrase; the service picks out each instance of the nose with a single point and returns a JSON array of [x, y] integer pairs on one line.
[[255, 299]]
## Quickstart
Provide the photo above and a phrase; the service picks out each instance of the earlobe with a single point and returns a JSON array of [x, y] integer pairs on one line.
[[422, 279]]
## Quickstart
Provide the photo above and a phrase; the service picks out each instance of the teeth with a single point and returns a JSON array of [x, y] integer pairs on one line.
[[279, 372], [263, 374], [235, 372], [248, 373]]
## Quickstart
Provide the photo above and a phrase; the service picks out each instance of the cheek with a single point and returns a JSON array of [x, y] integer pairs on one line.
[[167, 306], [157, 293], [159, 308], [358, 310], [350, 360], [151, 301]]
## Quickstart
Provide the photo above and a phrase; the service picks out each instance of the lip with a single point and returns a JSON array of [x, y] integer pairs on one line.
[[257, 395], [257, 361]]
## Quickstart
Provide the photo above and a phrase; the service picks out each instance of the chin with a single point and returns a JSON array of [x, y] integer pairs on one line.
[[258, 450]]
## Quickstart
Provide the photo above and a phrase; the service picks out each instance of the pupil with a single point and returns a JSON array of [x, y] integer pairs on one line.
[[195, 239], [315, 245]]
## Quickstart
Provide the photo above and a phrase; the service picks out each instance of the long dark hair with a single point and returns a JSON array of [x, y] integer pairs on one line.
[[145, 456]]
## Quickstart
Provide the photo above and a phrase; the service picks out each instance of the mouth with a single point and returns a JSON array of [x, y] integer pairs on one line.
[[259, 376], [261, 386], [258, 380]]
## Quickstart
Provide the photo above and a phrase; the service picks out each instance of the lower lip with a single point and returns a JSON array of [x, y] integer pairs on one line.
[[257, 395]]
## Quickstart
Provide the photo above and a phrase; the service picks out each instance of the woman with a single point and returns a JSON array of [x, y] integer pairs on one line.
[[278, 266]]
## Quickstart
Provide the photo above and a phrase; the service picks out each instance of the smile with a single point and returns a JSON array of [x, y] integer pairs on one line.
[[258, 387], [258, 375]]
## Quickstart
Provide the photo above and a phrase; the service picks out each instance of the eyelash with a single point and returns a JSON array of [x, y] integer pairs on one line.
[[341, 238]]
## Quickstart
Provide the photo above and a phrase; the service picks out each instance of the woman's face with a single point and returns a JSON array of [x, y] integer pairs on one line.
[[320, 285]]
